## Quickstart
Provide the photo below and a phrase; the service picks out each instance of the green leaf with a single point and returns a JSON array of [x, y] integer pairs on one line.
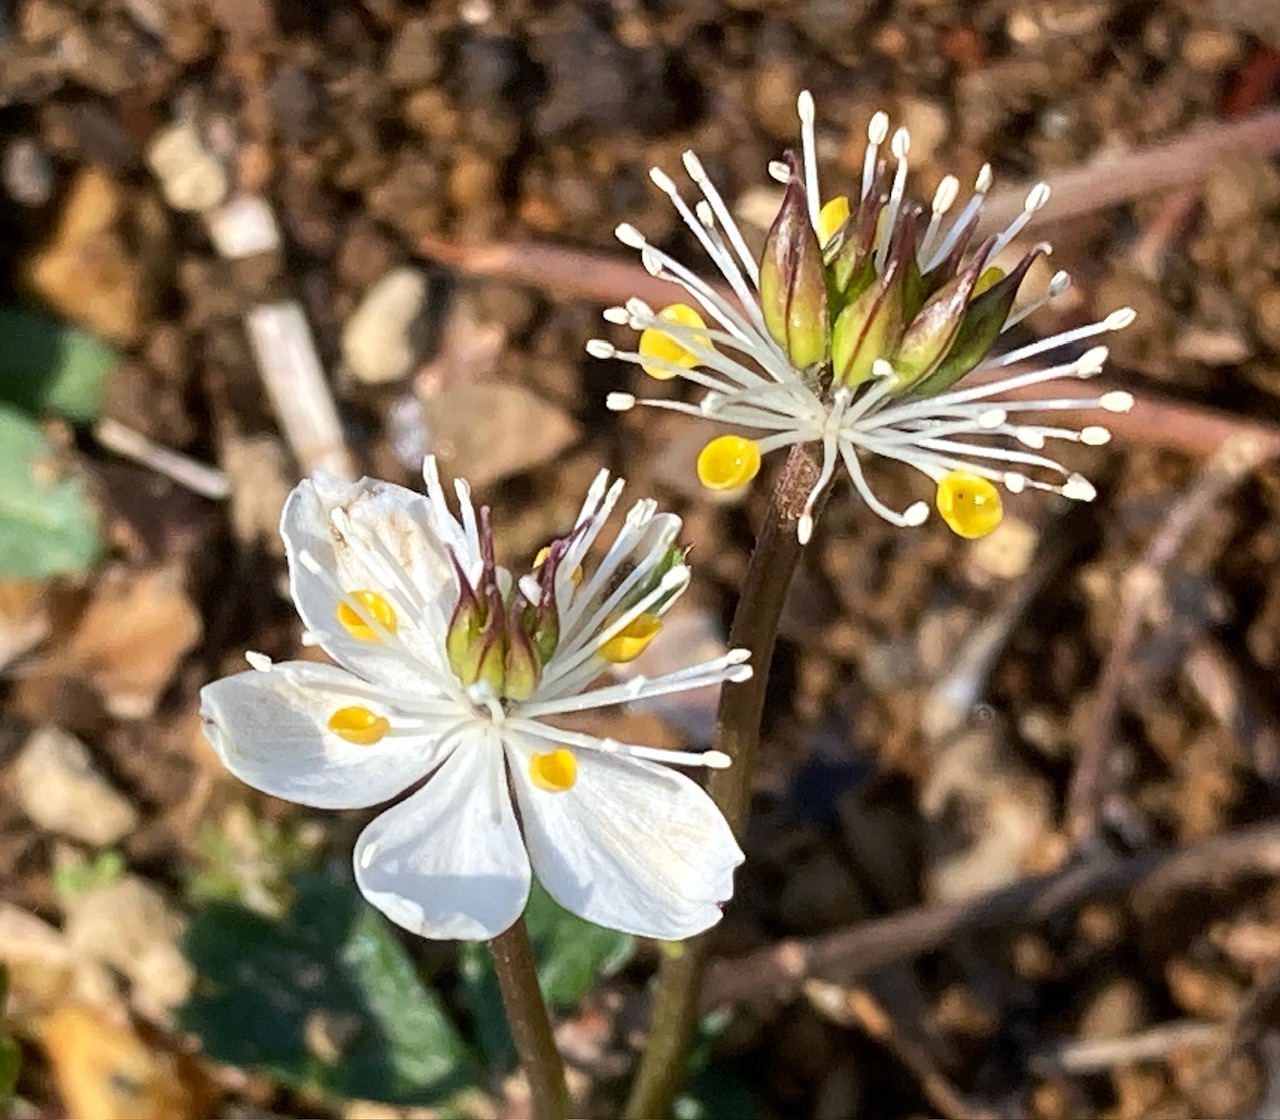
[[47, 366], [10, 1061], [573, 955], [325, 999], [47, 526]]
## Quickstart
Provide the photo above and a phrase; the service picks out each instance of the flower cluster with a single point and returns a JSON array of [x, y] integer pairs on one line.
[[855, 329], [452, 666]]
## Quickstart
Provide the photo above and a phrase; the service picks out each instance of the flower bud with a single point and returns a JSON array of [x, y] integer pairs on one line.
[[984, 319], [522, 666], [793, 287], [868, 329], [932, 332]]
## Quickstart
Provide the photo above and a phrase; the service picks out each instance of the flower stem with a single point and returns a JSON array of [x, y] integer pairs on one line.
[[530, 1026], [755, 627]]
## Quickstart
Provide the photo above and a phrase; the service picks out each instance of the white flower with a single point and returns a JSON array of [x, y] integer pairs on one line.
[[451, 667], [854, 331]]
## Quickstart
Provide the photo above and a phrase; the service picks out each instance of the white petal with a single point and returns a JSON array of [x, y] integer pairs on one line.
[[269, 729], [633, 845], [449, 862], [388, 547]]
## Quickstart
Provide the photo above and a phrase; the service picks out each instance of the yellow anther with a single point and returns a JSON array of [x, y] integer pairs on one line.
[[632, 640], [554, 771], [373, 604], [834, 214], [989, 279], [969, 504], [728, 463], [358, 725], [541, 559], [654, 343]]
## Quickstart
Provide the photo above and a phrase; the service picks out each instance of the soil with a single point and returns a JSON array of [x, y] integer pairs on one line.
[[371, 126]]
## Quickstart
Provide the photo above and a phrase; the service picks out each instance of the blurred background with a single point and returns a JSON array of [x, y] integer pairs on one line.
[[1051, 757]]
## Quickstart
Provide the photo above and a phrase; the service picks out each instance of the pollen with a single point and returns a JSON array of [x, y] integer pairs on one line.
[[554, 771], [728, 463], [834, 214], [359, 726], [376, 606], [969, 504], [632, 640], [657, 344]]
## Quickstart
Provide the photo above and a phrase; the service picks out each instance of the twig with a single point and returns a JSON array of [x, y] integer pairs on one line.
[[286, 356], [858, 1007], [1233, 462], [776, 971], [207, 481], [1114, 177], [1104, 181], [1096, 1055]]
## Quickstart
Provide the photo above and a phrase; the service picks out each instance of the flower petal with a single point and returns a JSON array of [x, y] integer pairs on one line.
[[369, 536], [633, 845], [449, 862], [270, 730]]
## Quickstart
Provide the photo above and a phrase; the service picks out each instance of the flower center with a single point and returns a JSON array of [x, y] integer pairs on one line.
[[377, 607], [359, 726], [554, 771]]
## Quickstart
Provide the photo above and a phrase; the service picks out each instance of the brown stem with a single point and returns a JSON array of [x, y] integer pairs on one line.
[[755, 628], [530, 1027]]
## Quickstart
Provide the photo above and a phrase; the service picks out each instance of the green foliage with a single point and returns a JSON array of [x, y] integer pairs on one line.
[[10, 1055], [47, 526], [87, 874], [712, 1091], [47, 366], [323, 999], [251, 861], [573, 957]]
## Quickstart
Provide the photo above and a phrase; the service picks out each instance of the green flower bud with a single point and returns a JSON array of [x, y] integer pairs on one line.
[[793, 286], [984, 319], [523, 667], [930, 335], [868, 329]]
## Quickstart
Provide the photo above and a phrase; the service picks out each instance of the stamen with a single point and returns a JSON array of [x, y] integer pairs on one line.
[[377, 606], [554, 771], [877, 130], [632, 640], [1116, 401], [616, 315], [1079, 489], [259, 661], [620, 402], [693, 165], [359, 726], [808, 147]]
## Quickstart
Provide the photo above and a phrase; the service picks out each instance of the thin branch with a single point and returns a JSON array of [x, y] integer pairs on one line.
[[776, 971], [1096, 1055]]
